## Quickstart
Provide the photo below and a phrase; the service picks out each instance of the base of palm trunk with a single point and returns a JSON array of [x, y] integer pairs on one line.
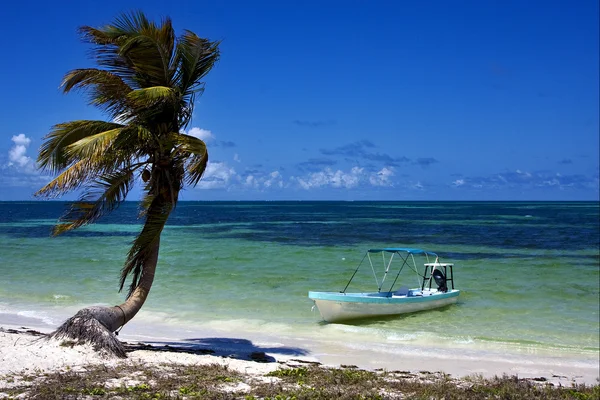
[[85, 328]]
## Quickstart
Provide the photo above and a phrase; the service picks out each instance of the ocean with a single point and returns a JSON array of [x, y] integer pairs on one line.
[[528, 274]]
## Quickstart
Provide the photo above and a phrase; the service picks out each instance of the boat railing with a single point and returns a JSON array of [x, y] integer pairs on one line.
[[406, 259], [431, 267]]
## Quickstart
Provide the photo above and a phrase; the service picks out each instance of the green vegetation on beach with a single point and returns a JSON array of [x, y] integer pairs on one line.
[[178, 381]]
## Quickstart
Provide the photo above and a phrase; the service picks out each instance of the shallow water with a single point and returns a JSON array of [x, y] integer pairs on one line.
[[528, 272]]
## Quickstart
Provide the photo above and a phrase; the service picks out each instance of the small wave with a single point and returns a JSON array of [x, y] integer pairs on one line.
[[37, 315], [349, 328], [61, 297], [464, 340], [407, 337]]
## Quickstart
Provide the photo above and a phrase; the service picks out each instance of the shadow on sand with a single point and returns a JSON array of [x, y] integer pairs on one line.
[[241, 349]]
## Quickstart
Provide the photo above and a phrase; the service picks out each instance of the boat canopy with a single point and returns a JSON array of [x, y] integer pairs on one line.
[[401, 249]]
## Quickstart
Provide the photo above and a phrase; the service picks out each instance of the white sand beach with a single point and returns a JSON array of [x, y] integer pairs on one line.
[[23, 351]]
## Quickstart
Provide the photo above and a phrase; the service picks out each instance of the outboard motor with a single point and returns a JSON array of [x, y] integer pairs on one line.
[[440, 280]]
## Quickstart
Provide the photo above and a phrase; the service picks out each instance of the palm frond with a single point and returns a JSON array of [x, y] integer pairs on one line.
[[126, 147], [70, 179], [145, 57], [186, 110], [103, 196], [156, 217], [105, 89], [129, 24], [134, 48], [53, 152], [196, 57], [134, 141], [96, 36], [147, 46], [81, 78], [196, 167], [102, 154], [106, 54], [194, 151], [145, 203], [94, 146], [150, 96]]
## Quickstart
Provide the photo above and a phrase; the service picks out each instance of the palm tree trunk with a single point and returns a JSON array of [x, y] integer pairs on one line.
[[115, 317], [96, 325], [134, 303]]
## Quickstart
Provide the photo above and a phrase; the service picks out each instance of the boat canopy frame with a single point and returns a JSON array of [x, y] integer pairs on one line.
[[404, 253]]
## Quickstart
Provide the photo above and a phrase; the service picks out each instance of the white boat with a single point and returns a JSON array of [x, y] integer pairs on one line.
[[344, 305]]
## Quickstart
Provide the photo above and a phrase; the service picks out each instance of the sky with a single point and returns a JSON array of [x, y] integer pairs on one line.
[[344, 100]]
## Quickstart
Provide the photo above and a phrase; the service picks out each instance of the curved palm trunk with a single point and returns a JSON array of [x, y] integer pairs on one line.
[[96, 325], [134, 303], [115, 317]]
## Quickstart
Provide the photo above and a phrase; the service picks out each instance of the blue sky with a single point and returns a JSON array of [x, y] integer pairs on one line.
[[345, 100]]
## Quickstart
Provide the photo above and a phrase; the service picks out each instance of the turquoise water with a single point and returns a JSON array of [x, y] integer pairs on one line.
[[528, 272]]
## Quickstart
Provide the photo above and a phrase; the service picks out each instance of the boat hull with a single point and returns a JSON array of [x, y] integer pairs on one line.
[[335, 306]]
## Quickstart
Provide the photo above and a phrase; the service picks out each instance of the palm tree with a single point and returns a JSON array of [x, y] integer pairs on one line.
[[146, 83]]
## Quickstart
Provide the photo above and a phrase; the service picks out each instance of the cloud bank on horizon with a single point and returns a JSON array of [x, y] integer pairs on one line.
[[362, 169]]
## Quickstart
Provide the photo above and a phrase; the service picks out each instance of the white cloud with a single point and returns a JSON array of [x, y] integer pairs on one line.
[[19, 170], [418, 186], [523, 174], [17, 155], [328, 177], [236, 157], [271, 180], [202, 134], [275, 179], [251, 182], [21, 139], [382, 178], [218, 175], [528, 180], [551, 182]]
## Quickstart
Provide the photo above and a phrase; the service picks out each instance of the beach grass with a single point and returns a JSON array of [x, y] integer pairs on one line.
[[311, 382]]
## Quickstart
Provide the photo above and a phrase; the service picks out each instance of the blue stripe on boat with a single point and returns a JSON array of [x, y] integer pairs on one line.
[[378, 298]]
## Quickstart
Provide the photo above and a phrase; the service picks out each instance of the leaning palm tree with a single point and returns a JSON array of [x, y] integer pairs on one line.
[[146, 83]]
